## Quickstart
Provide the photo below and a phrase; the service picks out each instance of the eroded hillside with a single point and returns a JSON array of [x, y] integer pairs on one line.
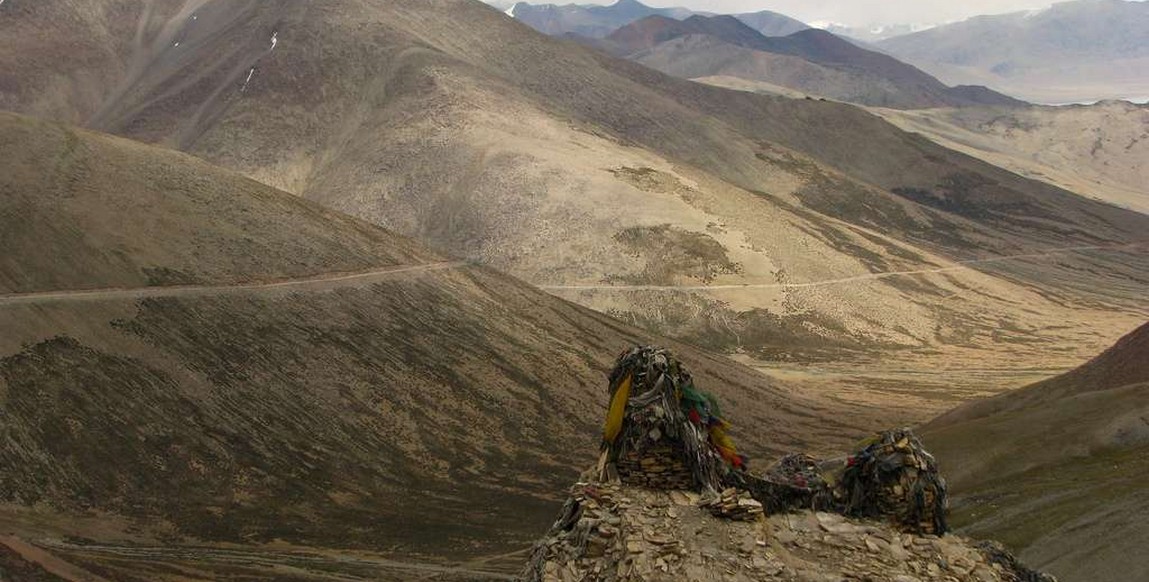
[[781, 229], [1055, 469], [1099, 151], [191, 358]]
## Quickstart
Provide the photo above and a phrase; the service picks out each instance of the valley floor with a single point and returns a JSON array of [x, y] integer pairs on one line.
[[58, 560]]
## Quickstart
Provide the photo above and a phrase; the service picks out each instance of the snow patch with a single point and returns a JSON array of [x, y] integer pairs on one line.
[[247, 80], [826, 24]]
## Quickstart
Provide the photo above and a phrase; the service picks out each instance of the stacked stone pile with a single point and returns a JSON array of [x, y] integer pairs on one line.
[[616, 533], [611, 532], [660, 428], [797, 469], [893, 477], [794, 482], [736, 505], [660, 465], [670, 500]]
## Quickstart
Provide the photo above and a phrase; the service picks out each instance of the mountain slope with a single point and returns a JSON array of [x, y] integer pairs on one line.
[[233, 385], [1098, 150], [596, 22], [769, 23], [812, 61], [589, 21], [1073, 51], [1055, 469], [781, 229]]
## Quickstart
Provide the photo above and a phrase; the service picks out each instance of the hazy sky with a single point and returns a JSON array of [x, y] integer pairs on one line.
[[850, 12]]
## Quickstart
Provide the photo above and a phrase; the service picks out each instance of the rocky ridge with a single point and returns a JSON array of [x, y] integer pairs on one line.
[[614, 532]]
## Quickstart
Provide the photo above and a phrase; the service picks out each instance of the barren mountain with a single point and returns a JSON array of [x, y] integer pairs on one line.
[[1083, 50], [1100, 151], [589, 21], [596, 22], [868, 35], [780, 229], [811, 61], [770, 23], [1056, 469], [191, 358]]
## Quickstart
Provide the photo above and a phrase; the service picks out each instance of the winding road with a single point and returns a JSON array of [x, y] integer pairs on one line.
[[328, 281], [301, 284], [957, 266]]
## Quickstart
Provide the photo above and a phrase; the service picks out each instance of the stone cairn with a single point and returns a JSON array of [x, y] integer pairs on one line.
[[736, 505], [660, 429], [598, 527], [794, 482], [892, 476], [663, 433], [659, 464], [665, 456]]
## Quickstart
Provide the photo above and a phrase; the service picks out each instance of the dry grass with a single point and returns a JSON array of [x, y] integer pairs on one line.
[[440, 412], [1100, 151], [423, 118], [1056, 469]]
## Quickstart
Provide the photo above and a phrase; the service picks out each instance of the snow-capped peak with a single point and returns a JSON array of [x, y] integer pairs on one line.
[[826, 24]]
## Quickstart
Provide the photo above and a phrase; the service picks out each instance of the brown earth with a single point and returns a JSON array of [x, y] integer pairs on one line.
[[634, 534], [445, 120], [1056, 469], [1099, 151], [427, 409], [813, 62], [448, 121]]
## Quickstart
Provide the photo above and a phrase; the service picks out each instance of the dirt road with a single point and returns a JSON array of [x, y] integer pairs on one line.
[[318, 282]]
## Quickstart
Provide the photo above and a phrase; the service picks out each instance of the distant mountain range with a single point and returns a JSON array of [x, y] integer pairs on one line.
[[599, 21], [814, 62], [1071, 52], [309, 410], [509, 148], [589, 21], [871, 34], [214, 358], [761, 51]]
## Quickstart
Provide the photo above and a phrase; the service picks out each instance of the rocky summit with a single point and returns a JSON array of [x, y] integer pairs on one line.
[[620, 533], [687, 507]]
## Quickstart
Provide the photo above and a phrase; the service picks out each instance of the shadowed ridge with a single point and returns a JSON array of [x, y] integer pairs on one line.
[[848, 64], [448, 121], [772, 23], [434, 411], [1123, 365], [178, 219], [1056, 470]]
